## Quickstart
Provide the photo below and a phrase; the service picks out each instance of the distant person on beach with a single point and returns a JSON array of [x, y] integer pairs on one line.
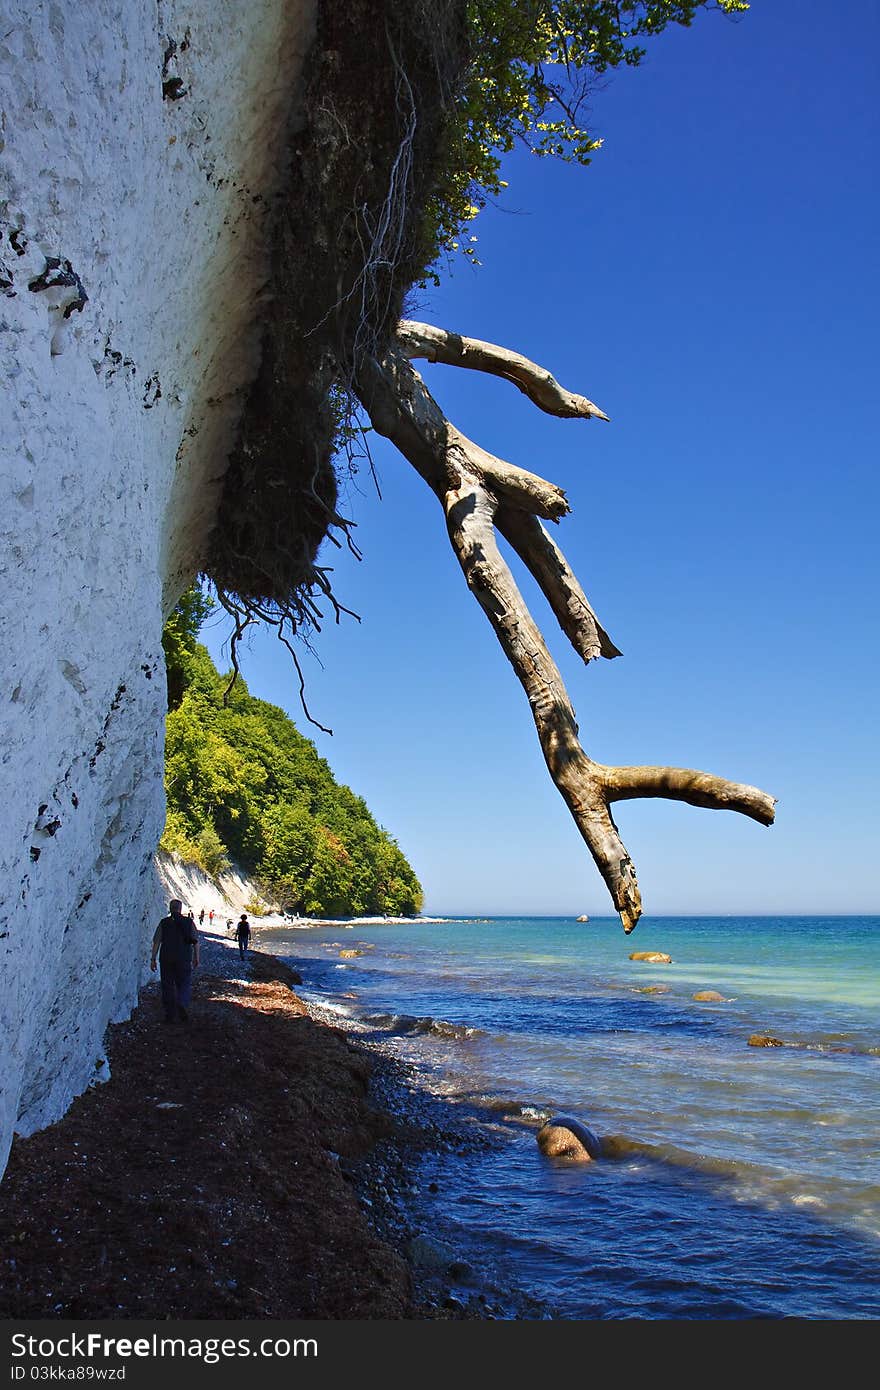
[[229, 925], [202, 918], [211, 917], [243, 935], [176, 942]]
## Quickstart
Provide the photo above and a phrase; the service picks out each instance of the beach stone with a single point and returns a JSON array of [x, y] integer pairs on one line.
[[709, 996], [652, 957], [430, 1254], [564, 1137], [765, 1040], [618, 1146]]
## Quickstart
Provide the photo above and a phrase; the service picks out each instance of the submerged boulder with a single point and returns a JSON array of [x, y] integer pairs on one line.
[[564, 1137], [652, 957], [765, 1040], [709, 996], [349, 955]]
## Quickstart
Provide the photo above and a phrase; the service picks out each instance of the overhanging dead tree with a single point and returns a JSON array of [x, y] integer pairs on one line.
[[482, 494]]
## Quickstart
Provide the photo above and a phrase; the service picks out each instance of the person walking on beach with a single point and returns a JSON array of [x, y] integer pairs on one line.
[[211, 918], [202, 918], [243, 935], [176, 942]]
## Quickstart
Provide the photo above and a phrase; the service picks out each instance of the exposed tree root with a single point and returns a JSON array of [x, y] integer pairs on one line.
[[481, 494]]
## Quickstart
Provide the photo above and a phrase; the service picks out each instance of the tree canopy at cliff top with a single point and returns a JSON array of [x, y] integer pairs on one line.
[[242, 783], [533, 65]]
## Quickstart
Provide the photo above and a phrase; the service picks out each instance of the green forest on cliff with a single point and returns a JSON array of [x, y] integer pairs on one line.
[[244, 785]]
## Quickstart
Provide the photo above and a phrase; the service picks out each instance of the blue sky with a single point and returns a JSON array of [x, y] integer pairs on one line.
[[711, 282]]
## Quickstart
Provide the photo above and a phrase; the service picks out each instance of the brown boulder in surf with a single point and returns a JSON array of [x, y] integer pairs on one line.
[[765, 1040], [564, 1137], [652, 957], [709, 996]]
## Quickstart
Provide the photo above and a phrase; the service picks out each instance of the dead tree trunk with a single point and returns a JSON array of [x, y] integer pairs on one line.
[[482, 494]]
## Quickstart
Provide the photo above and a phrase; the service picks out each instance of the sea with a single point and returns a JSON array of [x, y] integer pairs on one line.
[[743, 1182]]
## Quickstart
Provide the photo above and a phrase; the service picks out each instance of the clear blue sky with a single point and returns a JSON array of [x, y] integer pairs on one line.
[[710, 281]]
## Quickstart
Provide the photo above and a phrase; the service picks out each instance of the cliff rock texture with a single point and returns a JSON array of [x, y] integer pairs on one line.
[[207, 211], [142, 149]]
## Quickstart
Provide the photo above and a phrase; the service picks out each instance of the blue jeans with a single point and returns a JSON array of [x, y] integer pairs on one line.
[[176, 976]]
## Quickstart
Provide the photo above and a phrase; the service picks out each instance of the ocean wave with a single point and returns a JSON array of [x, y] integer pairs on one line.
[[836, 1045], [410, 1024], [512, 1109]]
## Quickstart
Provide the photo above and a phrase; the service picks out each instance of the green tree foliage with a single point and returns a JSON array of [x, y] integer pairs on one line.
[[533, 66], [244, 784], [179, 640]]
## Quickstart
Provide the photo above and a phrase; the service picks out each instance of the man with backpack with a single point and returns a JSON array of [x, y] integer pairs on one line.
[[176, 941]]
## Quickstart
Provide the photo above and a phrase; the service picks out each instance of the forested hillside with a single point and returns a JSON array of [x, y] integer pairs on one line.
[[243, 784]]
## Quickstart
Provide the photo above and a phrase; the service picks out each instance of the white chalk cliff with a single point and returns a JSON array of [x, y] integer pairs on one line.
[[140, 147]]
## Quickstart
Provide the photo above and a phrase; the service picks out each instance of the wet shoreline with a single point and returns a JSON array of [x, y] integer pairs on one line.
[[259, 1161], [397, 1183]]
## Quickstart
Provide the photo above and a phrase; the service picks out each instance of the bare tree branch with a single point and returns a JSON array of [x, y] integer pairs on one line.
[[542, 389], [480, 493], [540, 553], [517, 485], [683, 784]]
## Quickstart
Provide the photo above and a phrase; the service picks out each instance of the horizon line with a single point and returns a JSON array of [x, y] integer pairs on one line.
[[654, 916]]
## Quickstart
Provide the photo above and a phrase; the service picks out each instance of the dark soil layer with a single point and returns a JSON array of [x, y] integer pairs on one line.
[[348, 242], [204, 1179]]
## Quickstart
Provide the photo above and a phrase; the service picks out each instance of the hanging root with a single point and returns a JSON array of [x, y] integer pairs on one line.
[[302, 681], [481, 494], [242, 619], [346, 245], [245, 612]]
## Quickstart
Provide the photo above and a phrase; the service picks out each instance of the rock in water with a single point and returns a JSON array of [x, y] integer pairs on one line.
[[585, 918], [765, 1040], [350, 955], [563, 1137], [709, 996], [652, 957]]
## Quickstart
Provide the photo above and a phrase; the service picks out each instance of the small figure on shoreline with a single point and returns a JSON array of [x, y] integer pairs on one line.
[[242, 935], [211, 918], [176, 942], [202, 918]]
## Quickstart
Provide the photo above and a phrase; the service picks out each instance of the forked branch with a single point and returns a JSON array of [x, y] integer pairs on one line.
[[481, 493]]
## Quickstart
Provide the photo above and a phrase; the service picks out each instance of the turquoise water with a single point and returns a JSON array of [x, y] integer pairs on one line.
[[747, 1182]]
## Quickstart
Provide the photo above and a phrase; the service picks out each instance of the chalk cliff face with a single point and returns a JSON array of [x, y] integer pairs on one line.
[[141, 150]]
